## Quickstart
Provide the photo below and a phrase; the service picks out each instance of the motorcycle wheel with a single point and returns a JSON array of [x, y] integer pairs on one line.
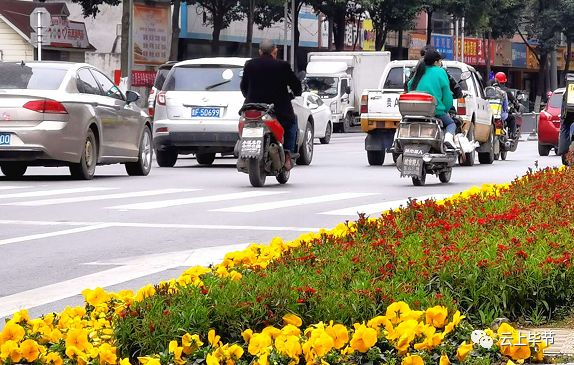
[[467, 159], [488, 157], [444, 176], [283, 177], [256, 170], [503, 155], [420, 181]]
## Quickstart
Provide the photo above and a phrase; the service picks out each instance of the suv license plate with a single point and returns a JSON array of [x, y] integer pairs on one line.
[[4, 139], [205, 112]]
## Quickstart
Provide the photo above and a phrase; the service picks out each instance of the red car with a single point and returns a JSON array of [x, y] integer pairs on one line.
[[549, 124]]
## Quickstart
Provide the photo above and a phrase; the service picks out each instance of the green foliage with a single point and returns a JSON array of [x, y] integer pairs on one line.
[[91, 7]]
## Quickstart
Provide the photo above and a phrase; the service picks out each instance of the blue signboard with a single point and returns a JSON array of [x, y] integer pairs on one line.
[[443, 44], [519, 55]]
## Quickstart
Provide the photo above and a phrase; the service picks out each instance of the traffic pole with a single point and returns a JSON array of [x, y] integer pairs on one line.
[[39, 36]]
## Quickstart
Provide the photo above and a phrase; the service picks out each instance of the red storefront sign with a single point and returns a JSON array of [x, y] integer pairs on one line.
[[475, 51], [139, 78]]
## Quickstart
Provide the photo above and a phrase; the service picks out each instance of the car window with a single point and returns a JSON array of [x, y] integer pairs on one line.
[[86, 83], [394, 79], [203, 78], [160, 77], [455, 73], [555, 100], [324, 86], [31, 77], [479, 84], [108, 87], [344, 84]]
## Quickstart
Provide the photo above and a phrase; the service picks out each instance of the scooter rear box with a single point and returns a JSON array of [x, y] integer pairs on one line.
[[417, 104]]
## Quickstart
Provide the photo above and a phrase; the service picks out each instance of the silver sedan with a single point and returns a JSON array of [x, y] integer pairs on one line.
[[69, 114]]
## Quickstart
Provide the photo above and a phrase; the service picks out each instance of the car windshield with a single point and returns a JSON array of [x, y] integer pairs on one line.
[[555, 101], [21, 76], [204, 78], [322, 86], [396, 77], [456, 73], [160, 77]]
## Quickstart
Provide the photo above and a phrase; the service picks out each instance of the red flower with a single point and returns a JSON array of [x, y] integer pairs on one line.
[[522, 254], [482, 263]]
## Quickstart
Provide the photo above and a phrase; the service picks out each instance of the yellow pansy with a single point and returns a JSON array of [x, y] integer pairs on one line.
[[519, 352], [289, 345], [21, 316], [30, 350], [212, 338], [235, 275], [363, 338], [235, 351], [148, 360], [323, 343], [271, 331], [77, 338], [125, 361], [247, 334], [540, 346], [339, 333], [379, 321], [444, 360], [463, 350], [10, 350], [53, 358], [190, 343], [107, 354], [292, 319], [95, 297], [258, 343], [12, 332], [436, 316], [74, 353], [397, 311], [290, 330], [145, 292], [412, 360]]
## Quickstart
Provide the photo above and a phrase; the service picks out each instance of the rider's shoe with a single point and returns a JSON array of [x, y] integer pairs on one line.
[[288, 161], [449, 141]]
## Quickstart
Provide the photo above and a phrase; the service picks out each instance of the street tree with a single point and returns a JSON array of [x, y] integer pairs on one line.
[[567, 15], [542, 25], [91, 7], [337, 12], [391, 15], [219, 14]]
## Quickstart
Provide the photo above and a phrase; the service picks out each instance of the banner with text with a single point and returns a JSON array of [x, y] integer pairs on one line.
[[151, 32]]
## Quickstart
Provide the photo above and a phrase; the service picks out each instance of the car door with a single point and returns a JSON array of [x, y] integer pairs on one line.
[[321, 114], [102, 112], [345, 97], [482, 106], [125, 130]]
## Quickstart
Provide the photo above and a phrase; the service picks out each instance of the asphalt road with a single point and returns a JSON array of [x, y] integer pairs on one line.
[[58, 236]]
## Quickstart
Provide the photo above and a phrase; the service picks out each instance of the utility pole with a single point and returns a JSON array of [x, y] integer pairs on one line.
[[285, 42], [293, 20]]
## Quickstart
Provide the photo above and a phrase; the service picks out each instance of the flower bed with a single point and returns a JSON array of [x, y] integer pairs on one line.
[[490, 252]]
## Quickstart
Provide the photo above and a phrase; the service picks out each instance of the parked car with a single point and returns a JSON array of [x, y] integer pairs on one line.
[[160, 76], [321, 116], [549, 123], [197, 112], [70, 114]]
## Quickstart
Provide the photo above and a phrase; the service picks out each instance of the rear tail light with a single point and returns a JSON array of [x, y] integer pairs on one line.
[[461, 110], [46, 106], [161, 98], [364, 104], [151, 111], [161, 130], [498, 123], [252, 114]]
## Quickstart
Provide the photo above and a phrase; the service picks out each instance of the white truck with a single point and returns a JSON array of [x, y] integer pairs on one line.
[[339, 79], [380, 114]]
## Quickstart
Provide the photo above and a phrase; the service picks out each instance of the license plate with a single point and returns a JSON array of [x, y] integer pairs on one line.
[[412, 166], [252, 132], [4, 139], [206, 112]]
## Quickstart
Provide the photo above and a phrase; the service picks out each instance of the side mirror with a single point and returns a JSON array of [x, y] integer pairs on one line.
[[348, 90], [132, 96], [465, 75]]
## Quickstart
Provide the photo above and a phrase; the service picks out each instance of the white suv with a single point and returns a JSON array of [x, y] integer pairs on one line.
[[197, 112]]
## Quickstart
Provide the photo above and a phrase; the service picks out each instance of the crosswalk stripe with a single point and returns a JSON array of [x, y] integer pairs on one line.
[[78, 199], [9, 187], [250, 208], [196, 200], [377, 208], [33, 194]]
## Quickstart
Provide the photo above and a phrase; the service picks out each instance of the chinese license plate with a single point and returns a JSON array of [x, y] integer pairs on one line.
[[252, 132], [4, 139], [206, 112], [412, 166]]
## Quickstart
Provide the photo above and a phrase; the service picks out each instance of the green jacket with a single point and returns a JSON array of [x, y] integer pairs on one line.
[[435, 82]]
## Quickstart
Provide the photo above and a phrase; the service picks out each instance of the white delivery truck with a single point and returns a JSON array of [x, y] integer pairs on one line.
[[339, 79]]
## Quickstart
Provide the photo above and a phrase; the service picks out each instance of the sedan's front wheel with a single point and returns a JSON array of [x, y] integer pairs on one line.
[[86, 168], [13, 169], [142, 166], [306, 150]]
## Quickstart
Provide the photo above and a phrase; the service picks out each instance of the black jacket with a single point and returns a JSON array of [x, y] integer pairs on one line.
[[265, 80]]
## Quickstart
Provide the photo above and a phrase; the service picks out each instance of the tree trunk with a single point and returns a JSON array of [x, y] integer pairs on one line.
[[541, 75], [249, 38], [380, 39], [217, 25], [567, 61], [175, 30], [339, 30], [400, 44], [429, 26], [487, 56], [125, 37]]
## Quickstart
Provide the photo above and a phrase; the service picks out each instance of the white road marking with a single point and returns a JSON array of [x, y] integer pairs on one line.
[[8, 187], [32, 194], [130, 269], [250, 208], [163, 225], [378, 208], [196, 200], [78, 199], [53, 234]]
